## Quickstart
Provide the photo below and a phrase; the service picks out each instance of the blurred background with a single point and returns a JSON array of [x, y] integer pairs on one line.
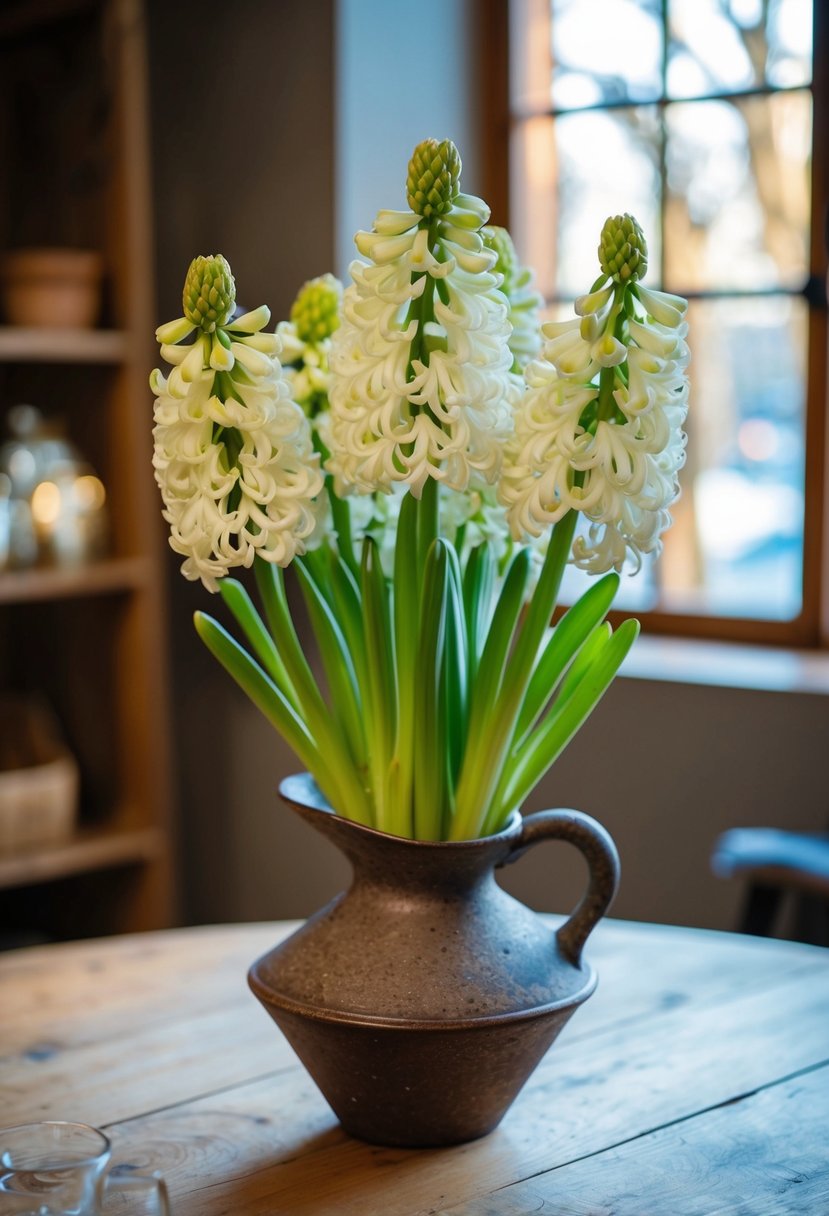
[[137, 787]]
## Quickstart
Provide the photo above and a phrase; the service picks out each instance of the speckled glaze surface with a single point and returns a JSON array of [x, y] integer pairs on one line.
[[421, 999]]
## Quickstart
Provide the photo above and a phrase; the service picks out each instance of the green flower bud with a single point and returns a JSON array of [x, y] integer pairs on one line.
[[209, 293], [433, 178], [500, 242], [623, 250], [316, 310]]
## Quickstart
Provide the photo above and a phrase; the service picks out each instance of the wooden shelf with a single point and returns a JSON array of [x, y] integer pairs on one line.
[[92, 346], [90, 640], [93, 849], [96, 578]]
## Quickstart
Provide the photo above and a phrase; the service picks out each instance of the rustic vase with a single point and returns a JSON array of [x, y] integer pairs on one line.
[[421, 999]]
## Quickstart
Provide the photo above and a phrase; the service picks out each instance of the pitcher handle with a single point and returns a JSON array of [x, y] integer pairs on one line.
[[599, 851]]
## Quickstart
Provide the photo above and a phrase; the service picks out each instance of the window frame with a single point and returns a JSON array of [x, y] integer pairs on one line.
[[499, 121]]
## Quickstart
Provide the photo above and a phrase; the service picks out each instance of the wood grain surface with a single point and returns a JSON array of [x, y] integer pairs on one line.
[[695, 1082]]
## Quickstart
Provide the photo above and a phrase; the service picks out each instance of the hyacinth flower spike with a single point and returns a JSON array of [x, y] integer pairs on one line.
[[600, 429], [447, 693], [238, 477], [597, 432], [421, 361]]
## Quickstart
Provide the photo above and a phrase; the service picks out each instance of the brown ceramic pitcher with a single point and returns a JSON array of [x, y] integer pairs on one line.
[[421, 999]]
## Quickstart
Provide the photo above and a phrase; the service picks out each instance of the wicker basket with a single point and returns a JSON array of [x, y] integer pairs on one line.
[[39, 797]]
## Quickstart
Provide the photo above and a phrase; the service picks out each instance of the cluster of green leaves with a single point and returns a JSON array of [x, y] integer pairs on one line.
[[446, 698]]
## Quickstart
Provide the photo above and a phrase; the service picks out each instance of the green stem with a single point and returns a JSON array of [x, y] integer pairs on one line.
[[428, 524], [341, 518], [406, 627], [269, 700], [454, 673], [270, 583], [430, 771], [566, 717], [488, 746], [567, 638], [348, 609], [382, 698], [478, 581], [477, 771], [349, 797], [242, 607], [346, 714], [607, 408]]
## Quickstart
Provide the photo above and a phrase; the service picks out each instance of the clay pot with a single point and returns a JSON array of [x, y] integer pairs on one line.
[[421, 999], [56, 288]]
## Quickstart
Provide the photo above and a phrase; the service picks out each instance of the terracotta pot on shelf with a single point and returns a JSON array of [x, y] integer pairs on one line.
[[421, 999], [52, 288]]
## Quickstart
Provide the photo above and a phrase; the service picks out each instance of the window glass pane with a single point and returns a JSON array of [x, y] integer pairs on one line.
[[606, 51], [533, 198], [637, 592], [726, 46], [607, 162], [789, 61], [736, 545], [737, 206], [530, 51], [725, 182]]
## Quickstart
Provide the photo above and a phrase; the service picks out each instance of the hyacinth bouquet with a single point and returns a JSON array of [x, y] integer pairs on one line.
[[421, 457]]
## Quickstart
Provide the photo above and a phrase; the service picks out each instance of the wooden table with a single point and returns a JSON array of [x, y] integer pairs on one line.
[[696, 1080]]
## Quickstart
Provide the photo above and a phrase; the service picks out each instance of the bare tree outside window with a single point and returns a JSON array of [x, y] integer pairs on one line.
[[700, 117]]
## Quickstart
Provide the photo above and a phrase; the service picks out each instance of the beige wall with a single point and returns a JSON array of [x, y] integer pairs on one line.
[[404, 73]]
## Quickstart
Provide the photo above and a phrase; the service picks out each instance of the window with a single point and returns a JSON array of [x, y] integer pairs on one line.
[[699, 116]]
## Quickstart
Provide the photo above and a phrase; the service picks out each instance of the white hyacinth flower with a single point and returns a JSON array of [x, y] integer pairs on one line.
[[600, 427], [233, 456], [524, 301], [306, 342], [421, 361], [467, 520]]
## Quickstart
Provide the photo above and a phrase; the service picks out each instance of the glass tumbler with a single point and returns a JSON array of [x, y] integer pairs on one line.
[[60, 1169]]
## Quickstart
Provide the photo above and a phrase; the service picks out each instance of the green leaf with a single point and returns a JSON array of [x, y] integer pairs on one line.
[[492, 740], [270, 583], [348, 609], [454, 680], [382, 699], [482, 759], [341, 519], [243, 609], [567, 715], [315, 562], [568, 635], [346, 709], [540, 609], [429, 743], [478, 582], [593, 646], [350, 797], [428, 524], [406, 591], [499, 636], [266, 697]]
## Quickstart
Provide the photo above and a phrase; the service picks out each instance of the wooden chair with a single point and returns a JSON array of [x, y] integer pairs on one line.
[[775, 864]]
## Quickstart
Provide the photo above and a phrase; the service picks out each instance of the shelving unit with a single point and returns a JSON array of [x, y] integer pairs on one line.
[[98, 578], [62, 345], [89, 639], [88, 852]]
